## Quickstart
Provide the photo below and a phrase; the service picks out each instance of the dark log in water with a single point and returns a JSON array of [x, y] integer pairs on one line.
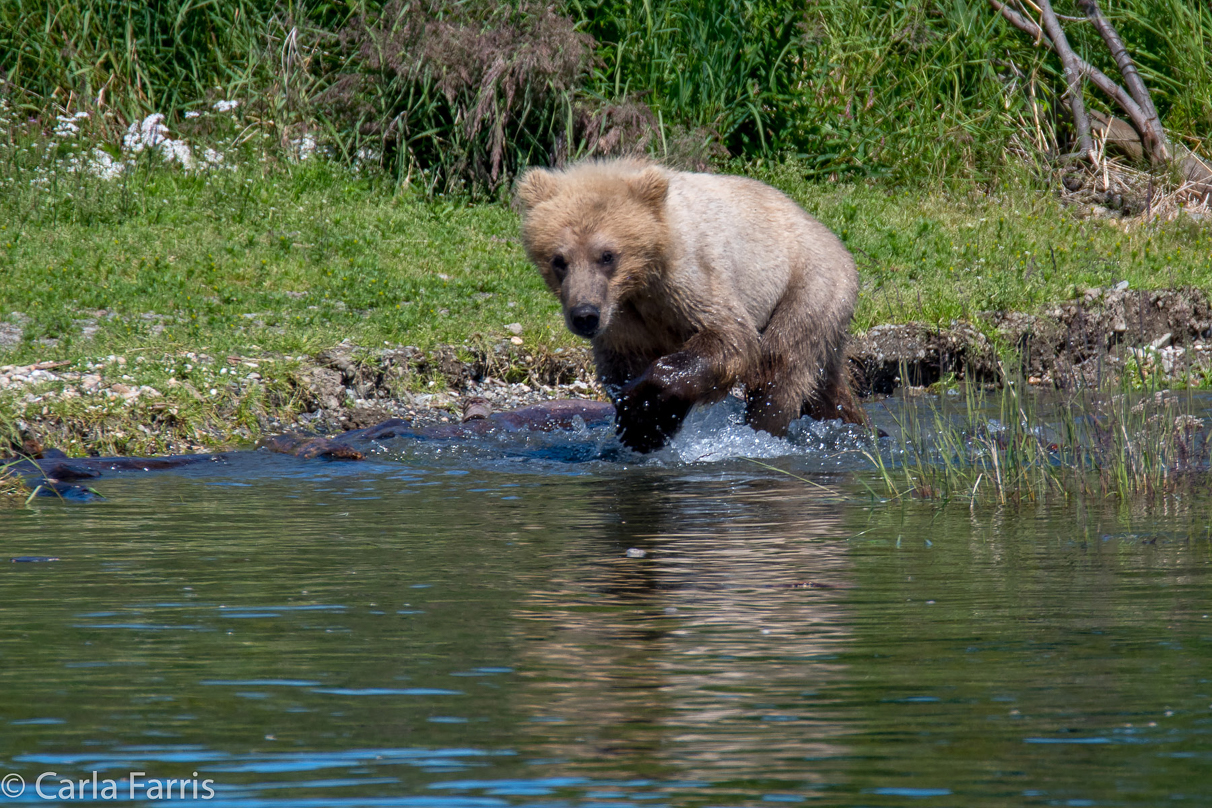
[[55, 472]]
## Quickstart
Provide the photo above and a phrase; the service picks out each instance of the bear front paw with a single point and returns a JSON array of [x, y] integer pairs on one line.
[[646, 417]]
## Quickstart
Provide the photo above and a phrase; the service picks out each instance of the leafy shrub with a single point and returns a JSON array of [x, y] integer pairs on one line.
[[466, 92]]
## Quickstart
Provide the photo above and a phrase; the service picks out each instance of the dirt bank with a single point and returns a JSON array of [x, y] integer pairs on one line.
[[1093, 339], [1164, 336]]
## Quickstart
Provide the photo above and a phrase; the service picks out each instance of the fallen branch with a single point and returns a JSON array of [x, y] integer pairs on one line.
[[1121, 97], [1152, 135], [1073, 78]]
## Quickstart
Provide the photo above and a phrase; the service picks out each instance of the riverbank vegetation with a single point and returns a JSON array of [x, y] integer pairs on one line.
[[1009, 444], [457, 96], [196, 200]]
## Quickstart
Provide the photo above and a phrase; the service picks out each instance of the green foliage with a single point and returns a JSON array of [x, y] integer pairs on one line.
[[458, 96], [133, 55], [730, 69]]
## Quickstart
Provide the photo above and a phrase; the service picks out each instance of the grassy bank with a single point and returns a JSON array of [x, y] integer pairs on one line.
[[295, 258], [203, 294]]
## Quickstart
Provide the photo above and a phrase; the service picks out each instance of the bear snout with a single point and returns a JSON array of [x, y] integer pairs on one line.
[[584, 320]]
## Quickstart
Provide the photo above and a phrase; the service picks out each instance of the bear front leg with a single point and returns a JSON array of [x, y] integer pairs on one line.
[[650, 409]]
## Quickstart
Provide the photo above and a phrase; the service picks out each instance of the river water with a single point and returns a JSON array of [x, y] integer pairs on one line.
[[541, 620]]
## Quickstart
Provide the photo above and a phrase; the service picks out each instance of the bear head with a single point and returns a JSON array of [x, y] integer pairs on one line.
[[597, 234]]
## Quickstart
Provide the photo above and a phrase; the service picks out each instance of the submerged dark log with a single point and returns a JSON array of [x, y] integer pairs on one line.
[[311, 447], [82, 468], [55, 472], [545, 417]]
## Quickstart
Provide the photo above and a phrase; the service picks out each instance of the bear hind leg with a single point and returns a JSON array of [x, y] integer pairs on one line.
[[836, 396], [771, 404], [789, 369], [803, 368]]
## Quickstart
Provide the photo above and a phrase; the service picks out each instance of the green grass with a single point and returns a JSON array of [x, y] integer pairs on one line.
[[947, 252], [272, 262], [290, 259], [294, 258]]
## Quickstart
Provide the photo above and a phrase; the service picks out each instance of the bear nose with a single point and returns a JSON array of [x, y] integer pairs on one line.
[[584, 319]]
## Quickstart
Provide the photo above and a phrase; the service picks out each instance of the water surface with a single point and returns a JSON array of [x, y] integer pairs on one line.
[[544, 620]]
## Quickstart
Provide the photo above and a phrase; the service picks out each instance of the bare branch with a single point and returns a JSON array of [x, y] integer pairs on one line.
[[1073, 77], [1153, 136], [1097, 77]]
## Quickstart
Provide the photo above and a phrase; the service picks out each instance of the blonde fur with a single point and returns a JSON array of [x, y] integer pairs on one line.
[[722, 269]]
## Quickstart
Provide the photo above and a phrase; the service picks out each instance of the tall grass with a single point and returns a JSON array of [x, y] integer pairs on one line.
[[727, 68], [461, 94], [919, 89], [1018, 445], [132, 55]]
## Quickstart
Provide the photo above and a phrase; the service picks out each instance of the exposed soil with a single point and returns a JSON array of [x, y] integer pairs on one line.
[[1081, 342], [1091, 340]]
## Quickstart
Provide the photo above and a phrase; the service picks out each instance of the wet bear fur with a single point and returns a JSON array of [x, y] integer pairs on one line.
[[687, 284]]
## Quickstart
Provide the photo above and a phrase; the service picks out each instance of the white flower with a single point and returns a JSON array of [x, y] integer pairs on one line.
[[305, 147], [151, 132], [212, 157], [66, 127], [225, 106], [104, 166], [193, 113], [179, 151]]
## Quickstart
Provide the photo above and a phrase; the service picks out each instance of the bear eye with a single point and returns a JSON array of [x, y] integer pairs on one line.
[[560, 266], [607, 258]]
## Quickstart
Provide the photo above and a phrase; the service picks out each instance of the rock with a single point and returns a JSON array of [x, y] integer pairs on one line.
[[310, 448], [22, 439], [514, 328], [88, 328], [340, 358], [1161, 342], [323, 388], [475, 408], [1120, 137], [10, 335]]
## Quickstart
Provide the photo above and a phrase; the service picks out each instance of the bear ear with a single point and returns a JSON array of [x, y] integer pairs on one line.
[[650, 186], [536, 186]]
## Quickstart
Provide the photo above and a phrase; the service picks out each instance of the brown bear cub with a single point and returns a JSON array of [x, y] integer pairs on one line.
[[690, 283]]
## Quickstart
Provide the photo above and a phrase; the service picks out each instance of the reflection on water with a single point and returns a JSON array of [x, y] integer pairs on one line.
[[544, 620]]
